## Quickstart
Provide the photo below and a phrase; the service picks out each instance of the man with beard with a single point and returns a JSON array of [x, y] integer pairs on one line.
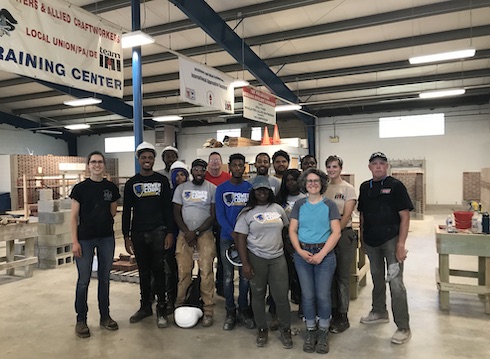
[[147, 228], [169, 155], [280, 161], [194, 212], [262, 164], [231, 197]]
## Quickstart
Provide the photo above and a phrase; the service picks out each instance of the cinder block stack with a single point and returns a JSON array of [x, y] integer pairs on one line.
[[54, 245]]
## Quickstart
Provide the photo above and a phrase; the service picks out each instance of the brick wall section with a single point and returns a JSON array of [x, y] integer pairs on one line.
[[471, 186], [414, 181], [349, 178], [485, 189]]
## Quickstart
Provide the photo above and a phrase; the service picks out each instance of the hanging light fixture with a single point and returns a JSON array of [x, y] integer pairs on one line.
[[78, 126], [444, 56], [83, 101], [136, 38], [289, 107], [167, 118], [442, 93]]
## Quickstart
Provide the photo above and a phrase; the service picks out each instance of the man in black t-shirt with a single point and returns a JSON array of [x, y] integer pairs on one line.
[[147, 226], [93, 207], [384, 207]]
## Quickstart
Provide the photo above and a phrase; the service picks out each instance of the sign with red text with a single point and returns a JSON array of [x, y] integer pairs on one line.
[[58, 42], [205, 86], [259, 106]]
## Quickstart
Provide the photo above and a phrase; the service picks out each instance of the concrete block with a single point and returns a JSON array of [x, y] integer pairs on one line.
[[54, 240], [19, 248], [55, 263], [52, 253], [45, 194], [55, 217], [53, 228], [48, 206], [65, 203]]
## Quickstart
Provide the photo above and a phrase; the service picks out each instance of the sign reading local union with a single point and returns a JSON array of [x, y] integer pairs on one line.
[[58, 42]]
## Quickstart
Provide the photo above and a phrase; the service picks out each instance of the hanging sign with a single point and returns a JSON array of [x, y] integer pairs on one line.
[[259, 106], [58, 42], [205, 86]]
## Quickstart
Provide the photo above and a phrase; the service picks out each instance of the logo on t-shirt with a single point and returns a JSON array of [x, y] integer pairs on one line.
[[339, 196], [385, 190], [148, 189], [235, 199], [195, 195], [267, 217], [107, 195]]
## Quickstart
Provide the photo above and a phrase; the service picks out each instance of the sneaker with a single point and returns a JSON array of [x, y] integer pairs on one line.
[[274, 324], [230, 320], [246, 318], [401, 336], [322, 341], [374, 318], [262, 337], [286, 339], [310, 341], [81, 329], [109, 323], [207, 320], [141, 314], [340, 323]]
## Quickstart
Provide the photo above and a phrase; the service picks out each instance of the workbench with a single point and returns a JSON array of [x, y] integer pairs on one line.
[[467, 244], [21, 232], [359, 265]]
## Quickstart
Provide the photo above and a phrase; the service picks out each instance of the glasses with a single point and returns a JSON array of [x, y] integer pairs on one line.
[[311, 181], [96, 162]]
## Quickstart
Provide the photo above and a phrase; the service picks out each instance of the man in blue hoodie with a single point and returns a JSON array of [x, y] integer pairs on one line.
[[231, 197]]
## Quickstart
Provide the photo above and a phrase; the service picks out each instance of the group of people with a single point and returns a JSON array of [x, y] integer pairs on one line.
[[292, 230]]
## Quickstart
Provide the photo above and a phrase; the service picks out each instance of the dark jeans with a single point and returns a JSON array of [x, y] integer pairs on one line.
[[272, 272], [380, 258], [105, 256], [219, 263], [228, 277], [345, 251], [149, 248]]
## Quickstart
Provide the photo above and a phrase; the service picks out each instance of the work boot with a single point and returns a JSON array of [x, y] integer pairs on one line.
[[375, 318], [262, 337], [162, 315], [143, 312], [310, 341], [340, 323], [109, 323], [322, 341], [286, 339], [230, 319], [274, 323], [82, 329], [207, 320], [246, 318]]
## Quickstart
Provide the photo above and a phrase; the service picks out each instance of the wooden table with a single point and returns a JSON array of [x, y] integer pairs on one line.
[[359, 266], [467, 244], [26, 232]]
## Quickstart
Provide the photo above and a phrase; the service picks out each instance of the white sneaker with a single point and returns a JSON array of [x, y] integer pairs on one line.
[[401, 336], [375, 318]]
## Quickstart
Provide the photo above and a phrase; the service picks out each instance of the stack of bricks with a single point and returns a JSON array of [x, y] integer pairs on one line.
[[471, 186], [414, 182], [125, 269], [54, 245], [485, 189]]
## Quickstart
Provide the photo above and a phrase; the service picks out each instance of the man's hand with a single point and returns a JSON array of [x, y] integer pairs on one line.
[[169, 240], [248, 271], [191, 238], [77, 249], [401, 253], [129, 245]]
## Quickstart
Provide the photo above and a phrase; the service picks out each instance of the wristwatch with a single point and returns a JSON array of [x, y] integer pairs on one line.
[[197, 232]]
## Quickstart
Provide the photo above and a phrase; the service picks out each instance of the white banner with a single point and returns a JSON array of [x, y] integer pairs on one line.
[[58, 42], [205, 86], [259, 106]]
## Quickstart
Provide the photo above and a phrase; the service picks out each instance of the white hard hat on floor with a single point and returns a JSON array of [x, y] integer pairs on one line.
[[145, 146], [187, 317]]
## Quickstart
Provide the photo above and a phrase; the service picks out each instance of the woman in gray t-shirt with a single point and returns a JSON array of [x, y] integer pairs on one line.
[[259, 227]]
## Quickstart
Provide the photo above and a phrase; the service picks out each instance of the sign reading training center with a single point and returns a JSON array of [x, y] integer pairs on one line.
[[202, 85], [259, 106], [57, 42]]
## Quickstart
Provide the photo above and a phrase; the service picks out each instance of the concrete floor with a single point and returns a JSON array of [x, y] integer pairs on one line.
[[37, 320]]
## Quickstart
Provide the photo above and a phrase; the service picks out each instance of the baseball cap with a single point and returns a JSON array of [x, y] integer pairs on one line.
[[380, 155], [199, 162], [261, 182]]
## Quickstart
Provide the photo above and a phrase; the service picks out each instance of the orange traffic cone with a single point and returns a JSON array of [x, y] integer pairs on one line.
[[276, 140], [266, 140]]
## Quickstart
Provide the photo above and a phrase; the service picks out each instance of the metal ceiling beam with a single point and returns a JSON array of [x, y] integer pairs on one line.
[[210, 22]]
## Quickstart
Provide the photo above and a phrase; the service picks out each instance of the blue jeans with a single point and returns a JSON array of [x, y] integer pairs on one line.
[[228, 277], [105, 255], [379, 258], [316, 284]]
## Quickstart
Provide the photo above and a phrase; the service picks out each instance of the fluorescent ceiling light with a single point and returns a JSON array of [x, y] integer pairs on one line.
[[136, 38], [240, 83], [83, 101], [167, 118], [444, 56], [282, 108], [442, 93], [50, 132], [78, 126]]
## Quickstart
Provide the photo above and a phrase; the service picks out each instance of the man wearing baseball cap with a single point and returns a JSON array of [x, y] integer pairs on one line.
[[384, 207]]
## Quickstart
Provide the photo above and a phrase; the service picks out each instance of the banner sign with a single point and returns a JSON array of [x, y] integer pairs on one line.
[[259, 106], [205, 86], [58, 42]]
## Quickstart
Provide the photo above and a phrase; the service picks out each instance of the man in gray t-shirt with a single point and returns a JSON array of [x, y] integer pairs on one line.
[[194, 213]]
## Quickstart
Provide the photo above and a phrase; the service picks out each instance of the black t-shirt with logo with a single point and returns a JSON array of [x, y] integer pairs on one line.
[[379, 203], [150, 199], [95, 198]]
